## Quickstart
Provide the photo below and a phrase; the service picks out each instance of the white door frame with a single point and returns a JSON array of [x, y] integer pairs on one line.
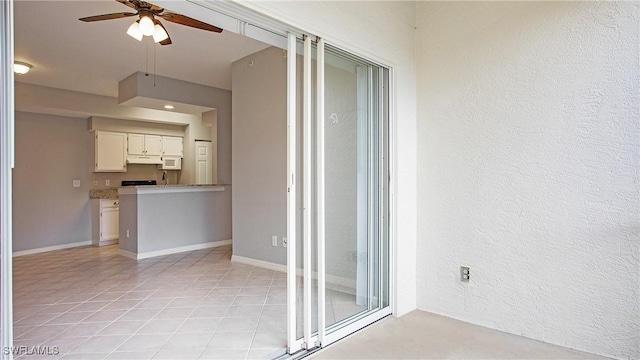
[[293, 344], [7, 160]]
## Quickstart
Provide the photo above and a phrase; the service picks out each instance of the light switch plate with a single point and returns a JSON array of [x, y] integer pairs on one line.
[[76, 183]]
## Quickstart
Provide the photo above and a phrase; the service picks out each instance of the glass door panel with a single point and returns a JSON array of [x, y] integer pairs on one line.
[[355, 192], [339, 265], [346, 220]]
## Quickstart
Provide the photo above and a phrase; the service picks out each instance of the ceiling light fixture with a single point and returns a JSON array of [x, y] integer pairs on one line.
[[21, 68], [169, 107], [159, 34], [146, 25], [134, 31]]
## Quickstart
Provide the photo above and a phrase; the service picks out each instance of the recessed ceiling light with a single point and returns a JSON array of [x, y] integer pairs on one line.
[[21, 68], [169, 107]]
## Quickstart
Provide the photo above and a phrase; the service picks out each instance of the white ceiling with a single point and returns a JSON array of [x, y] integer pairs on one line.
[[93, 57]]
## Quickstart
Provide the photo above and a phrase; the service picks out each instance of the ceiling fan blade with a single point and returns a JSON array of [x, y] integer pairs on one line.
[[185, 20], [107, 16], [140, 4], [128, 3], [155, 8]]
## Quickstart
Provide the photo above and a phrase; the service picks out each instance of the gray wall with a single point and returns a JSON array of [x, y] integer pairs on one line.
[[259, 161], [51, 151], [172, 220], [128, 221], [259, 155], [224, 147]]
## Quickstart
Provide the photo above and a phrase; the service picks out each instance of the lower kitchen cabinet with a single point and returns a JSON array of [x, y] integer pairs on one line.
[[105, 221]]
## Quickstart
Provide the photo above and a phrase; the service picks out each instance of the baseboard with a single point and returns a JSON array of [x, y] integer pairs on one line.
[[170, 251], [333, 282], [259, 263], [51, 248]]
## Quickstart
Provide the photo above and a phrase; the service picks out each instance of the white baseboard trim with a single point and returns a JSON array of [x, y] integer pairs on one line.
[[259, 263], [170, 251], [51, 248], [128, 254], [333, 282]]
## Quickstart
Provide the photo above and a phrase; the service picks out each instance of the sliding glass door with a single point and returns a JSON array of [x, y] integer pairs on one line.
[[339, 263]]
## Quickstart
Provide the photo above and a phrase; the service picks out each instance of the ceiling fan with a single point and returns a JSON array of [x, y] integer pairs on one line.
[[147, 23]]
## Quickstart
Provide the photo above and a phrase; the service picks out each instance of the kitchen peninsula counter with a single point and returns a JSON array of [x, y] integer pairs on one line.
[[173, 188], [159, 220]]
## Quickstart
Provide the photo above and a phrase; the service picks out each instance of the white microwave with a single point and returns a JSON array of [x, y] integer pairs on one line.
[[171, 163]]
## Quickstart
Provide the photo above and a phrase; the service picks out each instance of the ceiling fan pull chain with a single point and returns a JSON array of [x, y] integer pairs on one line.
[[146, 58], [154, 64]]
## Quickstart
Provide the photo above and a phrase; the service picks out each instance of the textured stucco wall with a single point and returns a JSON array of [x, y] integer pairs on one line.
[[528, 163]]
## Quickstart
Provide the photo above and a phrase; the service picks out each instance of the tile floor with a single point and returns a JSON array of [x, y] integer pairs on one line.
[[92, 303]]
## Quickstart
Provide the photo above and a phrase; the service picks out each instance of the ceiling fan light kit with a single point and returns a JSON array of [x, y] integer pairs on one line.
[[159, 34], [134, 31], [148, 25]]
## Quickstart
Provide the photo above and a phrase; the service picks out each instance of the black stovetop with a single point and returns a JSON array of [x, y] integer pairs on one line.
[[138, 182]]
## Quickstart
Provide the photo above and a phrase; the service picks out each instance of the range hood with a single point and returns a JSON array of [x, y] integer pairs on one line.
[[144, 159]]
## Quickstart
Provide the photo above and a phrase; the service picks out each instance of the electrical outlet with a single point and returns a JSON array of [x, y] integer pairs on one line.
[[284, 241], [107, 182], [274, 240], [76, 183], [464, 273], [127, 233], [95, 182]]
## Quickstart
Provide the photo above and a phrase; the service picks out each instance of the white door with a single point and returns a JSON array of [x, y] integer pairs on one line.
[[204, 162]]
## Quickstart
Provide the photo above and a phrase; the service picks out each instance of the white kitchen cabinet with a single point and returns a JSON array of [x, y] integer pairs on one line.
[[172, 146], [105, 221], [144, 144], [110, 151]]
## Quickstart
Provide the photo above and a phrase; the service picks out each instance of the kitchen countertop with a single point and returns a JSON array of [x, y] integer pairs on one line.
[[112, 193], [109, 193]]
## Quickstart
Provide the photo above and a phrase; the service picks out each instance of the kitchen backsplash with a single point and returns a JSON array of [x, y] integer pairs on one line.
[[134, 172]]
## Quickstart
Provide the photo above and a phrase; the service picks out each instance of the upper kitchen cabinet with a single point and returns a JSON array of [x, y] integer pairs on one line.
[[110, 151], [172, 146], [145, 144]]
